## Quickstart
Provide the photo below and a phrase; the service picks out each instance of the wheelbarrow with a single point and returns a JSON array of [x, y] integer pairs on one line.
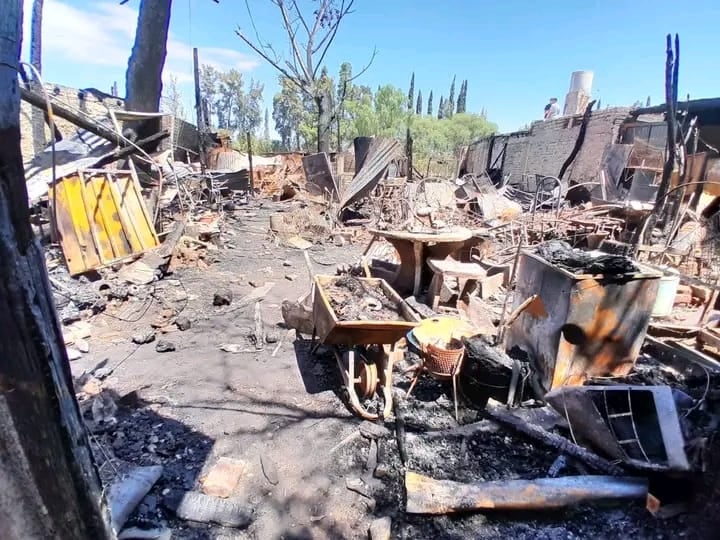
[[365, 350]]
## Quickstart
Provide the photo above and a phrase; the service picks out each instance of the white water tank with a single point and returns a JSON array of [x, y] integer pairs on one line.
[[581, 80]]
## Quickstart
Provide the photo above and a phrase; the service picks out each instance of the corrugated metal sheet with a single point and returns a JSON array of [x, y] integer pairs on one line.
[[102, 219], [380, 155]]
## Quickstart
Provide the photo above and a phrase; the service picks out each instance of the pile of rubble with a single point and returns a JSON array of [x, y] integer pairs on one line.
[[508, 351]]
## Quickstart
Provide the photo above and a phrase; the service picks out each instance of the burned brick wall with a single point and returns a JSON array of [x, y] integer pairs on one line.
[[96, 104], [546, 145], [93, 103]]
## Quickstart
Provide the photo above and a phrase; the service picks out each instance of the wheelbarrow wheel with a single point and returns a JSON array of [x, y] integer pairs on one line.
[[366, 376]]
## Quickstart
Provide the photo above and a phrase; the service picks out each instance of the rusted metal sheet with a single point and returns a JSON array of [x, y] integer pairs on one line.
[[102, 219], [426, 495], [320, 179], [591, 326]]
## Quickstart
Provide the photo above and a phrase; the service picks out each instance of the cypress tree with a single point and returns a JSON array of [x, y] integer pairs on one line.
[[418, 107], [450, 104], [411, 93], [430, 107], [462, 98], [441, 108]]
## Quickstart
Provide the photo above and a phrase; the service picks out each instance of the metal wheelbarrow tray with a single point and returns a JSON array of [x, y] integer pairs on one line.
[[362, 367]]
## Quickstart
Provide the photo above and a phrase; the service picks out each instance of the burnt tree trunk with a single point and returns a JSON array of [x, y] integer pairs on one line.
[[49, 487], [324, 126], [143, 80], [37, 118]]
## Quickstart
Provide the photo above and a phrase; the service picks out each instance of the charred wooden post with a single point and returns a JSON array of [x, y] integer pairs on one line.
[[49, 487], [671, 73], [250, 162], [199, 112], [409, 152]]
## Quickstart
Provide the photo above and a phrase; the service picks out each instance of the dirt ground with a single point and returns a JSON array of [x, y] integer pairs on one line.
[[277, 408]]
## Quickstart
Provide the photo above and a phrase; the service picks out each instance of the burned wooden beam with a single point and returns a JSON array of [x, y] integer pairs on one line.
[[427, 495], [554, 441]]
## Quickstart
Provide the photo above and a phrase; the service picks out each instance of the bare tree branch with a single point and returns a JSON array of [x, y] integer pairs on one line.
[[293, 39], [302, 19], [262, 53], [367, 66], [311, 36], [257, 34], [342, 12]]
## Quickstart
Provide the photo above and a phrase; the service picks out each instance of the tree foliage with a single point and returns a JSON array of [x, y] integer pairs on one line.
[[450, 103], [462, 98], [411, 93], [231, 105], [171, 101], [383, 113], [443, 138]]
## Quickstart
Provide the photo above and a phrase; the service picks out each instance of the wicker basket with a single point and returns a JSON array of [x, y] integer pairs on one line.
[[440, 361]]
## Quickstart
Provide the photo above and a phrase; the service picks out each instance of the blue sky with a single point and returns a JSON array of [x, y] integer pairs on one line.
[[515, 54]]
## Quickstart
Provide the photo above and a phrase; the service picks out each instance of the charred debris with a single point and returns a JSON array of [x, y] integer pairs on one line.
[[509, 344]]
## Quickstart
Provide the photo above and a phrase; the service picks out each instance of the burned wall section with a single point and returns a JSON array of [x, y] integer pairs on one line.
[[96, 104], [91, 102], [547, 144]]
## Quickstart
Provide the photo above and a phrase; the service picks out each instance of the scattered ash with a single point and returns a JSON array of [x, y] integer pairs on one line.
[[356, 300], [143, 437], [435, 448], [577, 261]]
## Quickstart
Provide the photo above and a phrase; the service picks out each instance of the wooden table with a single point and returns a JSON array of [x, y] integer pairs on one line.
[[415, 247]]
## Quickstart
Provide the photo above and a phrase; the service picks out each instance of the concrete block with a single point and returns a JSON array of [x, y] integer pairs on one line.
[[223, 477]]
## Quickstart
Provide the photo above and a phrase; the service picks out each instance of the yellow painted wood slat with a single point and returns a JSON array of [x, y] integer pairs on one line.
[[136, 211], [97, 223], [73, 226], [111, 217], [131, 232]]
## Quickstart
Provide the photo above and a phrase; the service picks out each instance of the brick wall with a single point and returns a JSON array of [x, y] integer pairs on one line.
[[97, 105], [85, 101], [545, 147]]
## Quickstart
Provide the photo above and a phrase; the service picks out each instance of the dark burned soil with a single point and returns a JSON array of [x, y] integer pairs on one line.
[[280, 410]]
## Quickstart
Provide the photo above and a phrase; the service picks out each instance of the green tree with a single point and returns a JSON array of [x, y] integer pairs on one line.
[[248, 108], [390, 112], [443, 138], [288, 111], [411, 93], [209, 85], [441, 108], [430, 104], [462, 98], [383, 114], [171, 101], [418, 107], [450, 103]]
